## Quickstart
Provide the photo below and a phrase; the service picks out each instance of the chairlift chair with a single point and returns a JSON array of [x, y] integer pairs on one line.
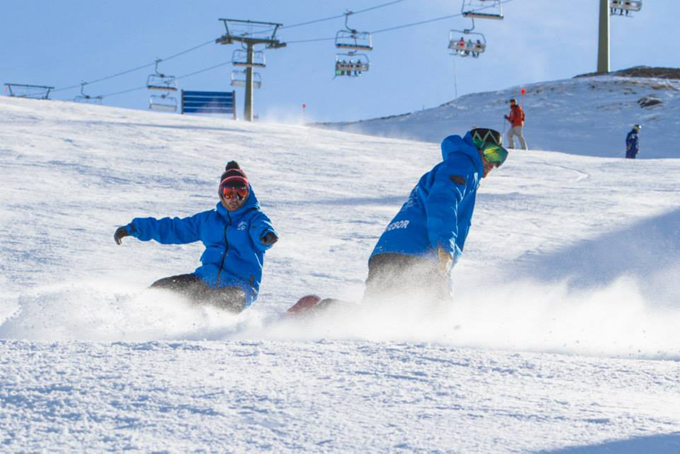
[[482, 9], [160, 81], [624, 7], [351, 39], [238, 79], [351, 64], [462, 45], [240, 58], [163, 103], [87, 99]]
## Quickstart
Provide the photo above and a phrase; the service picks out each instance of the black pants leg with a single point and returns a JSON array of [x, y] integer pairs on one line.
[[394, 276], [191, 286]]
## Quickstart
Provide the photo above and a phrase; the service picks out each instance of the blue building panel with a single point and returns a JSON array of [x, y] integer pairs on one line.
[[209, 102]]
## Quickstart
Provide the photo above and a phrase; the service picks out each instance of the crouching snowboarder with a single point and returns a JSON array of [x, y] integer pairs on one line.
[[419, 247], [236, 235]]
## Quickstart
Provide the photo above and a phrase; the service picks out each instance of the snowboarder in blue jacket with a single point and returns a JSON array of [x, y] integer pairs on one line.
[[236, 235], [420, 246], [632, 142]]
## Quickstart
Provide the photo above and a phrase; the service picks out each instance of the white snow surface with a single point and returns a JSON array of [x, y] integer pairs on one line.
[[563, 337], [585, 116]]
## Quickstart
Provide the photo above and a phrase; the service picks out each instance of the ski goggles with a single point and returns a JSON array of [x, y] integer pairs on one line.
[[239, 192], [494, 153]]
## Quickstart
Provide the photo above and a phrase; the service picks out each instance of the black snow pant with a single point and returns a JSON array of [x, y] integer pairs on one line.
[[191, 286], [396, 276]]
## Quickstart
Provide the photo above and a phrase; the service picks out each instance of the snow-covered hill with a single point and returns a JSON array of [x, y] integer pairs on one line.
[[585, 116], [563, 337]]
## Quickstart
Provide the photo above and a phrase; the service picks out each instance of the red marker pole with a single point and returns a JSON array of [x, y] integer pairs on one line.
[[304, 106]]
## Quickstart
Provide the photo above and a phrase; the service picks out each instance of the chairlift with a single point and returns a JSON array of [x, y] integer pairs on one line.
[[238, 79], [163, 103], [351, 64], [240, 58], [160, 81], [351, 39], [87, 99], [482, 9], [624, 7], [462, 45]]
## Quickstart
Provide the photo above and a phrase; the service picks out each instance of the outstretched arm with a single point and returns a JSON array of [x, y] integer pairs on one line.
[[167, 230]]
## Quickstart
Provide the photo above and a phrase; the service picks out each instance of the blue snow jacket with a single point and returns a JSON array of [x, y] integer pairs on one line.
[[632, 143], [234, 252], [439, 210]]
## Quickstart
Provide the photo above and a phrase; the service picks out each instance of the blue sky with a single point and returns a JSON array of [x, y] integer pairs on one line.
[[63, 43]]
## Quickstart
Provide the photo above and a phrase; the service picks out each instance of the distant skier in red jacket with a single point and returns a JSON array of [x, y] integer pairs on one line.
[[516, 119]]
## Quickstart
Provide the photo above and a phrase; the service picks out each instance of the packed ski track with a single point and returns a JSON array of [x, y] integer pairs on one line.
[[563, 336]]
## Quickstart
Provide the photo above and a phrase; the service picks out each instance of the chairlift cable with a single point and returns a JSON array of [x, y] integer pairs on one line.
[[415, 23], [339, 16], [188, 50], [107, 77], [332, 38], [392, 28], [122, 73], [176, 78], [428, 21], [204, 70], [130, 90], [376, 7], [312, 22]]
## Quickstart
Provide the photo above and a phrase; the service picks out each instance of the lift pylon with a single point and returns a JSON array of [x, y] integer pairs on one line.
[[250, 34], [28, 91]]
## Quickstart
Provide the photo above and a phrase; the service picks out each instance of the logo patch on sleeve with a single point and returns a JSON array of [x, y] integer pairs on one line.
[[457, 179]]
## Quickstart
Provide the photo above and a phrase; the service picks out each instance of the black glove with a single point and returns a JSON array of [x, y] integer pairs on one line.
[[269, 238], [121, 232]]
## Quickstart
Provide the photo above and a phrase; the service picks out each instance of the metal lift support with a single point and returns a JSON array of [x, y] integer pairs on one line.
[[249, 38], [28, 91]]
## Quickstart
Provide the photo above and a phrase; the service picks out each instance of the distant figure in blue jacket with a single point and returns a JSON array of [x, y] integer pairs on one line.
[[632, 142], [236, 235], [420, 246]]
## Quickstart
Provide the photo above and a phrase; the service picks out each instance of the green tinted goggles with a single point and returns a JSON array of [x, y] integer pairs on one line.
[[494, 153]]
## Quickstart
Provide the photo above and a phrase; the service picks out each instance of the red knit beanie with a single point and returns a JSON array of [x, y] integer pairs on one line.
[[233, 176]]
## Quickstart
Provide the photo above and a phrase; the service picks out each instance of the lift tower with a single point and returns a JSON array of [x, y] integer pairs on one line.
[[615, 8], [250, 34], [603, 39]]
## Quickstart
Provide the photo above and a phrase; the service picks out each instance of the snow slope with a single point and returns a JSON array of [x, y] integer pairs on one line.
[[586, 116], [563, 338]]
